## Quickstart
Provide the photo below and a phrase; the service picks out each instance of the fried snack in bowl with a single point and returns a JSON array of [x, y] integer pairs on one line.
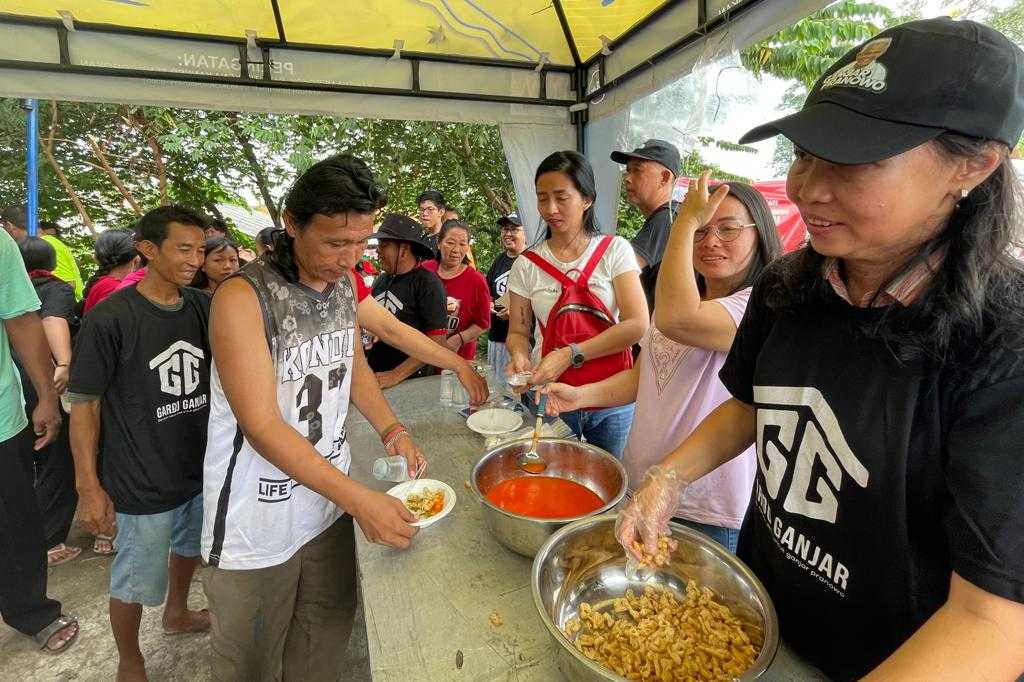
[[701, 615]]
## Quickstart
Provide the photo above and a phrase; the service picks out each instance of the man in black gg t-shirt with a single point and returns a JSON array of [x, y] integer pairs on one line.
[[140, 382]]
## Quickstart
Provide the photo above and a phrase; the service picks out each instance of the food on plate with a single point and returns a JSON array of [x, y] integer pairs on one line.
[[426, 503], [544, 497], [657, 636]]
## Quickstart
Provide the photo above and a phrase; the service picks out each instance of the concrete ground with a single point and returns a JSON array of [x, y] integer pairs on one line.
[[81, 586]]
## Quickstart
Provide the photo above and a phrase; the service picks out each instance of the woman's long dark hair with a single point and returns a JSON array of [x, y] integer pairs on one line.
[[338, 184], [113, 248], [977, 293], [579, 170], [769, 246]]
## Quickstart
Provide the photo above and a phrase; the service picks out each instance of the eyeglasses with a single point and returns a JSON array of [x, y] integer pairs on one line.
[[727, 230], [429, 209], [510, 228]]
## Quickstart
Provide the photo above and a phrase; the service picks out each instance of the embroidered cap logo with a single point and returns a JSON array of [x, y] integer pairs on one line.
[[865, 71]]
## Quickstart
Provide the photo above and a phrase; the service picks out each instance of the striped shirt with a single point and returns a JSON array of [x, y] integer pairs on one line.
[[904, 290]]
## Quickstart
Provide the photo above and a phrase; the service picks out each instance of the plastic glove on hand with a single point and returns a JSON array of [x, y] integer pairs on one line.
[[642, 527]]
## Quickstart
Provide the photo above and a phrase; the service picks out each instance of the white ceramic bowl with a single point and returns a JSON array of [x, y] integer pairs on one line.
[[494, 421]]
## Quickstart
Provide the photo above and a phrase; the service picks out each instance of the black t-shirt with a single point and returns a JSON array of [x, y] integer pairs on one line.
[[649, 244], [431, 240], [416, 298], [875, 479], [497, 282], [151, 367], [56, 298]]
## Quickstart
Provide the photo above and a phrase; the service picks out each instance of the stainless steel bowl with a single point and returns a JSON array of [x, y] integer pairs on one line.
[[569, 459], [583, 562]]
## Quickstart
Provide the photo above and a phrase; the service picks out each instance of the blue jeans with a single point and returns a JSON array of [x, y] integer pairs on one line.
[[606, 428], [727, 537]]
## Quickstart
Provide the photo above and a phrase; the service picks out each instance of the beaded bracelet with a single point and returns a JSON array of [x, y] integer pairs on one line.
[[390, 431], [391, 441]]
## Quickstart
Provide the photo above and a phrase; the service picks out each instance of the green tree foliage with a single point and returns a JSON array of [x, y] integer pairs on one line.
[[1010, 21], [804, 50], [102, 166]]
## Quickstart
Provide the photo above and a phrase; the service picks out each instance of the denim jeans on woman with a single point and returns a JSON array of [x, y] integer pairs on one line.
[[606, 428]]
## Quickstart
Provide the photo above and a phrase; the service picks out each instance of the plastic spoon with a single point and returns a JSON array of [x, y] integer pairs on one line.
[[531, 462]]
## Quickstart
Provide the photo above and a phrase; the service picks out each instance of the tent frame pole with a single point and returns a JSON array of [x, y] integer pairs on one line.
[[31, 107]]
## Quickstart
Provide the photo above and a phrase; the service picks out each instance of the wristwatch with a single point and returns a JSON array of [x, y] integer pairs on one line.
[[576, 355]]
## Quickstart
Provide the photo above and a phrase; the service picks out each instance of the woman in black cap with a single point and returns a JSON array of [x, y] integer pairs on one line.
[[411, 293], [880, 370]]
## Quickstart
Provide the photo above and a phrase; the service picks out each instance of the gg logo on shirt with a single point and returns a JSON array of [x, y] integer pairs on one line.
[[178, 367], [798, 432]]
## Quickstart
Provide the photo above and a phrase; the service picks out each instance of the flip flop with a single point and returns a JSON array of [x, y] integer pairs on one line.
[[63, 554], [103, 545], [42, 638], [195, 631]]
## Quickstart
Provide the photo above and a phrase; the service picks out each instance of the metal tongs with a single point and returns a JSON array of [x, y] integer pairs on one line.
[[530, 461]]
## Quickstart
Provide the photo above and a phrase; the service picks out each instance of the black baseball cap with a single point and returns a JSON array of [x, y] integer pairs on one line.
[[510, 219], [906, 86], [658, 151], [400, 228]]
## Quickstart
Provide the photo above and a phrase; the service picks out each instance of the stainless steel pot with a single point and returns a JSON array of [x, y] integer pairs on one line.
[[583, 562], [569, 459]]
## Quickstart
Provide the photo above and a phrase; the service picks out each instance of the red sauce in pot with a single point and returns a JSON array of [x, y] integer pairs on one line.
[[544, 497]]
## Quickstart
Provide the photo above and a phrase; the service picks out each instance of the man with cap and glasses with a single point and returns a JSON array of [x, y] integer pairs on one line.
[[513, 239], [410, 293], [651, 171]]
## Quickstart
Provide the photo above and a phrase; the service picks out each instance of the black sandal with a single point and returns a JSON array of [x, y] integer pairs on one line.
[[42, 638]]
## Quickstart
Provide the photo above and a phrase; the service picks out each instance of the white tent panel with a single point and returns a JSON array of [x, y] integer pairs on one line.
[[525, 147], [756, 23], [154, 92], [30, 43], [603, 137]]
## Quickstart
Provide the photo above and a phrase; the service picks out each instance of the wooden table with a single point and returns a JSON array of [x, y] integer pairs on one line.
[[428, 609]]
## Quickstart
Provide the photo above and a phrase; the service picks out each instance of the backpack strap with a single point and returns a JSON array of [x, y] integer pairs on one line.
[[547, 267], [591, 265]]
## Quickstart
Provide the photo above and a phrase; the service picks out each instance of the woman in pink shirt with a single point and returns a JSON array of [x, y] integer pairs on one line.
[[707, 274]]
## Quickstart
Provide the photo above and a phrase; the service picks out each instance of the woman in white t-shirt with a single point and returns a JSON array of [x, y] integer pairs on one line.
[[706, 273], [565, 201]]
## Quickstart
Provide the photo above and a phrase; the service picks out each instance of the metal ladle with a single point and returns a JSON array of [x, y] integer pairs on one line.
[[531, 462]]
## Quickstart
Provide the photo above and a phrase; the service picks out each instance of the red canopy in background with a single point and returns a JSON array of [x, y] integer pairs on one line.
[[792, 231]]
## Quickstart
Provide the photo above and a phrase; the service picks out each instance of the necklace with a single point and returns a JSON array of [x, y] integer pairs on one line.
[[570, 248]]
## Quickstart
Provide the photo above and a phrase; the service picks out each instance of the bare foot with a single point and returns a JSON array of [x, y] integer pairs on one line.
[[189, 622], [132, 670]]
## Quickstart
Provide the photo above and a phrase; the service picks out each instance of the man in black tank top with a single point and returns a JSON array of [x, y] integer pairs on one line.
[[279, 506]]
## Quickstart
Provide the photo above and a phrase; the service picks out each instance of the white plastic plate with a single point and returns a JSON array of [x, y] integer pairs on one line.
[[494, 421], [402, 490]]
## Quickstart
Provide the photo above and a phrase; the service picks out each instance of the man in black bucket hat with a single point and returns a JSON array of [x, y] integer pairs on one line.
[[414, 295]]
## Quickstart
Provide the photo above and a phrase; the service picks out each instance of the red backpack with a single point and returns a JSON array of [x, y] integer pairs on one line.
[[578, 315]]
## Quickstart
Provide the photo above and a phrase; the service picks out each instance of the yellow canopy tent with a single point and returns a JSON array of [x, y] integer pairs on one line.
[[541, 69]]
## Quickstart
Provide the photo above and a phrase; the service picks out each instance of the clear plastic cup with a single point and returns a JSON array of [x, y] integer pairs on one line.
[[460, 398], [394, 468], [448, 381]]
